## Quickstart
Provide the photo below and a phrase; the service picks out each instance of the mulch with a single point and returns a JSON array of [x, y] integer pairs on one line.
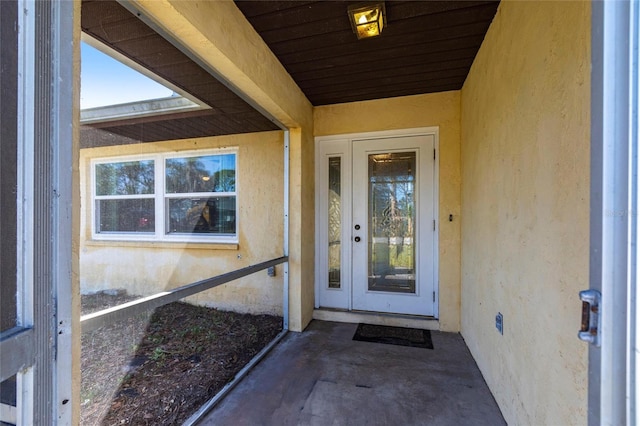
[[161, 367]]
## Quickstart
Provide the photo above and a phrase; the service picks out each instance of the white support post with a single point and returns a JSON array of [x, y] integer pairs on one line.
[[285, 283]]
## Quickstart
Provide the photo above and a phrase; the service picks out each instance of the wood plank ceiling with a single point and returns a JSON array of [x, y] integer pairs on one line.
[[426, 46]]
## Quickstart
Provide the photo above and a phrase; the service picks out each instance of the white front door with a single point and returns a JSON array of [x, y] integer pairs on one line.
[[376, 210]]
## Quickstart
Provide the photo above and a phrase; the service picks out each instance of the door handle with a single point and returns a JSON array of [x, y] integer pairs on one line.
[[590, 324], [356, 239]]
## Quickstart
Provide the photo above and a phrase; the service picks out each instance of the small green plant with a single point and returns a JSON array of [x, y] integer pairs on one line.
[[252, 333], [217, 321], [196, 329], [158, 354]]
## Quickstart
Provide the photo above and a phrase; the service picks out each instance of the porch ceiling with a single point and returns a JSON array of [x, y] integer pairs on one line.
[[426, 46]]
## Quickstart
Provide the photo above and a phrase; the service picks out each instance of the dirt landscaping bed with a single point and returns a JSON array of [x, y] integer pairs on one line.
[[161, 367]]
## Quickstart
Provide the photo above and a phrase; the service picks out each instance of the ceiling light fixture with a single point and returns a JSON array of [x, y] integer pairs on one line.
[[367, 19]]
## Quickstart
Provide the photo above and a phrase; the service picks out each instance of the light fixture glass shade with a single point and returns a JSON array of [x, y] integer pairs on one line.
[[367, 20]]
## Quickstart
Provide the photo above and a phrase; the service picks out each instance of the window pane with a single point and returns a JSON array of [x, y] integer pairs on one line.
[[126, 178], [130, 215], [211, 173], [8, 162], [8, 402], [213, 215]]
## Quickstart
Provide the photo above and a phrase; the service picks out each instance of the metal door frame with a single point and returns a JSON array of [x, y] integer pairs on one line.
[[39, 349], [614, 201]]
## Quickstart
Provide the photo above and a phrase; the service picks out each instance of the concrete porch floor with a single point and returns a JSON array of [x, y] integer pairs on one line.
[[323, 377]]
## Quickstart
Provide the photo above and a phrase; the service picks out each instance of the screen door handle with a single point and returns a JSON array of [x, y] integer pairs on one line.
[[590, 324]]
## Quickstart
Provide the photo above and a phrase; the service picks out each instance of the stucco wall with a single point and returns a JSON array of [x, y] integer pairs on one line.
[[439, 109], [525, 209], [144, 268]]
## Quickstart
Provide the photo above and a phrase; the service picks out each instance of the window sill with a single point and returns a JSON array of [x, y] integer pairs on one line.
[[163, 244]]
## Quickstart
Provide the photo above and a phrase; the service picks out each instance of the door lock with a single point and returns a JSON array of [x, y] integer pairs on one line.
[[357, 227], [590, 324], [356, 239]]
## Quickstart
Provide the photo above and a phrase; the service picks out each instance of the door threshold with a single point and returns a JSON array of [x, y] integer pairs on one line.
[[377, 318]]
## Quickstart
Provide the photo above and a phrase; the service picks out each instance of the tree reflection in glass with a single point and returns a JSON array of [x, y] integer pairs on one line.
[[391, 241]]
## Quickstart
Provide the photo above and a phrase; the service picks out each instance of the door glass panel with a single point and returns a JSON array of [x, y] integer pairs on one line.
[[335, 221], [391, 239]]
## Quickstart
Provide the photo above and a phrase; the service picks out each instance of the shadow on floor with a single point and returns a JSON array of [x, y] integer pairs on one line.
[[323, 377]]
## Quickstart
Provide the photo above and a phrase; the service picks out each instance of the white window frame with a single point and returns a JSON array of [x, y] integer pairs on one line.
[[161, 197], [95, 197]]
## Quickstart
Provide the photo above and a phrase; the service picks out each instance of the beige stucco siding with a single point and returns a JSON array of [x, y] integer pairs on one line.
[[438, 109], [144, 268], [525, 209]]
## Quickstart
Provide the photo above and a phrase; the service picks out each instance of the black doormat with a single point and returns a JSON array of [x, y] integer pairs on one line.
[[394, 336]]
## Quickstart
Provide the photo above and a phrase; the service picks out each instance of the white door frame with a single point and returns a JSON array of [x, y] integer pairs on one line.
[[337, 143]]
